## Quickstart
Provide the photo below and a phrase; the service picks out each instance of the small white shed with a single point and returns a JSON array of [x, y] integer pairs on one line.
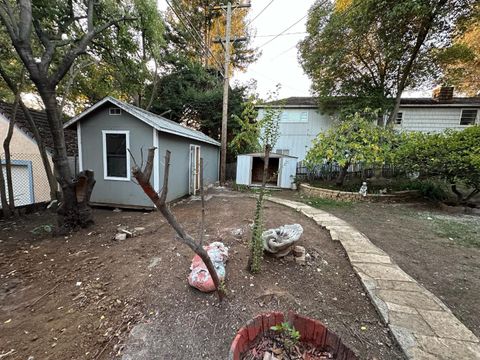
[[281, 170]]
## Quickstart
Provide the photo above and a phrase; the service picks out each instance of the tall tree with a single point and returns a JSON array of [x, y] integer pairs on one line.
[[374, 49], [48, 38], [194, 25], [461, 61]]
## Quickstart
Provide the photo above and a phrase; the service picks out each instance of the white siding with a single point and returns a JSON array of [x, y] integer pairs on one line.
[[244, 169], [287, 170], [297, 135], [431, 119]]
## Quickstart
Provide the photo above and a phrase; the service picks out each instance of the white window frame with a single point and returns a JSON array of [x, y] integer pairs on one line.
[[474, 120], [110, 111], [127, 147]]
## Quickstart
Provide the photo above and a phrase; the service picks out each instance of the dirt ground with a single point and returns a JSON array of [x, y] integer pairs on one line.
[[87, 296], [438, 248]]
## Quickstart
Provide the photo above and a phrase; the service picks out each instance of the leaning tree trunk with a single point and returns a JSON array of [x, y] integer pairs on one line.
[[3, 193], [74, 210], [160, 201]]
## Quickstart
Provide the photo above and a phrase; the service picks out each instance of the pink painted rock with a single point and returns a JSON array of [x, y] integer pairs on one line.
[[199, 276]]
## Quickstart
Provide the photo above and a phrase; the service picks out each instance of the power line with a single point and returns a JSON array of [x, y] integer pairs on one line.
[[284, 31], [260, 13], [291, 33], [199, 40]]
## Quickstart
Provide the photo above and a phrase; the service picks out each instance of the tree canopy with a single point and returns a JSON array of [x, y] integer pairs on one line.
[[374, 49]]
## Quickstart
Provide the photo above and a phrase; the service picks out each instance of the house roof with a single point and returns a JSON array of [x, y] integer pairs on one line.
[[41, 122], [312, 102], [156, 121]]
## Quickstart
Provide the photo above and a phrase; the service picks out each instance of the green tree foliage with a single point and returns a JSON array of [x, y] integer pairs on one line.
[[246, 139], [353, 140], [374, 49], [452, 155], [193, 95]]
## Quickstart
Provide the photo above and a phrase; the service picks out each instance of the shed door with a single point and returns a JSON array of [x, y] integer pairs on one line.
[[287, 169], [244, 170], [22, 180], [194, 169]]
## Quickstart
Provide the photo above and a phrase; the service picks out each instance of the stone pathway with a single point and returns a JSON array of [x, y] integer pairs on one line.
[[423, 325]]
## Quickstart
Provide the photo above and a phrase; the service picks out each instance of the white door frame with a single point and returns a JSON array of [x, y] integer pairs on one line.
[[194, 169]]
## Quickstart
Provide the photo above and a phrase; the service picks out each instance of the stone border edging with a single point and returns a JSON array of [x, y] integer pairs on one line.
[[353, 196], [423, 326]]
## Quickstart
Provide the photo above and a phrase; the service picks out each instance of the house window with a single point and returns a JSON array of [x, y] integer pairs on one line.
[[282, 151], [116, 163], [294, 116], [115, 111], [468, 117], [399, 118]]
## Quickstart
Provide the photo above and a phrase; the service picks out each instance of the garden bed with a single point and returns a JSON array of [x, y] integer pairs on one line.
[[86, 296]]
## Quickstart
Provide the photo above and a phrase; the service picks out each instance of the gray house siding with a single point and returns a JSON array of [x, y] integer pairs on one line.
[[298, 128], [114, 192], [180, 159]]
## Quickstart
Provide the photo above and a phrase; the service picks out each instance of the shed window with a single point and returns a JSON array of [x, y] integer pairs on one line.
[[468, 117], [282, 151], [294, 116], [115, 157], [399, 118], [115, 111]]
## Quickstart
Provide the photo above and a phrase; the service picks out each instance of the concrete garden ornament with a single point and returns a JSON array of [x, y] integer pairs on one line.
[[199, 276], [363, 189], [279, 241]]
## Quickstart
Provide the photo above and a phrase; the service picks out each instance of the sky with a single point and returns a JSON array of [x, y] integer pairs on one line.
[[278, 62]]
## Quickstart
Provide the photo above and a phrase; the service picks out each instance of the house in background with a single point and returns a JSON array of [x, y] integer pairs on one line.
[[30, 182], [301, 120], [109, 129]]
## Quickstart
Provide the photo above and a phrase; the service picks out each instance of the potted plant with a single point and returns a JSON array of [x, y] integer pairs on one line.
[[297, 337]]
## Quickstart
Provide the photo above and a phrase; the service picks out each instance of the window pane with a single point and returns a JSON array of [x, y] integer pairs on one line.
[[468, 117], [116, 155], [399, 118]]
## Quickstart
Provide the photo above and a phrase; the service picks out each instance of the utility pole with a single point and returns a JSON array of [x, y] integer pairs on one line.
[[226, 84]]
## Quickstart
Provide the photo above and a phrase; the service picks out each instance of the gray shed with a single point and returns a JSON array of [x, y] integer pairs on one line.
[[108, 129], [281, 170]]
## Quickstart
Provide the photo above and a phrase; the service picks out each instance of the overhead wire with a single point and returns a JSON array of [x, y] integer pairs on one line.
[[260, 13], [282, 32], [199, 40]]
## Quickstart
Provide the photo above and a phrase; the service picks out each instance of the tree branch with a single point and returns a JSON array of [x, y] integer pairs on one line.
[[161, 204]]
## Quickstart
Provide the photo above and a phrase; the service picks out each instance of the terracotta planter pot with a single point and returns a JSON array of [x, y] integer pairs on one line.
[[311, 331]]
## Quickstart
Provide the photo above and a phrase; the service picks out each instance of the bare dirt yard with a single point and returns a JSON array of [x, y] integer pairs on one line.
[[87, 296], [439, 248]]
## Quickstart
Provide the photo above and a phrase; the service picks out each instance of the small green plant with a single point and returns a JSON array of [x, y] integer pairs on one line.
[[289, 336], [45, 228], [256, 243]]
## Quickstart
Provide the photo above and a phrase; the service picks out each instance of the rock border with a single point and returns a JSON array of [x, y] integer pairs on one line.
[[423, 326], [353, 196]]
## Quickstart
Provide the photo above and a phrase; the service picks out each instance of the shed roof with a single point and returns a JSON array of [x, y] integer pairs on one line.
[[41, 122], [156, 121]]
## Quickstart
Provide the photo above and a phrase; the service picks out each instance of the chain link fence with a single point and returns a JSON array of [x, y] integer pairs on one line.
[[29, 179]]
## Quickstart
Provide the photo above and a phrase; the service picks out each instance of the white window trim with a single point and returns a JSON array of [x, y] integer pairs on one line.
[[79, 147], [474, 120], [104, 140]]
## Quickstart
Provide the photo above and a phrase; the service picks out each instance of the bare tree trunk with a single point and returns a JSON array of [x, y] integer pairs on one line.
[[160, 202], [52, 182], [3, 195], [8, 156]]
